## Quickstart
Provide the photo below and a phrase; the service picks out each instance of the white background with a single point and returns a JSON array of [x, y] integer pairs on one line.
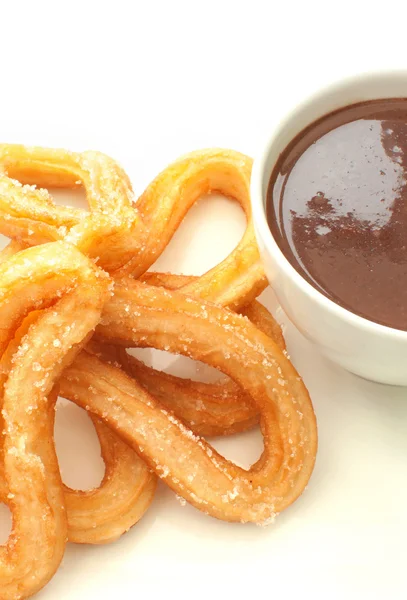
[[146, 82]]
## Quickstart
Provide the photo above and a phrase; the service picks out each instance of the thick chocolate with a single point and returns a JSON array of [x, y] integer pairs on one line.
[[337, 207]]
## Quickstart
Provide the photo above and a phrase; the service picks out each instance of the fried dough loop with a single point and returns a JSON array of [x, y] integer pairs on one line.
[[149, 424], [58, 281], [170, 320], [103, 514], [124, 235], [30, 215]]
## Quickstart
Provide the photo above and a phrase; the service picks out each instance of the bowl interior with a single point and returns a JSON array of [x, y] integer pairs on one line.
[[357, 89], [351, 91]]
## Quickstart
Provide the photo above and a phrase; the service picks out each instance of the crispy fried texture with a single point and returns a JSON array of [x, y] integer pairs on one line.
[[148, 423], [108, 232], [169, 320], [124, 236], [239, 278], [61, 283], [211, 409], [102, 514]]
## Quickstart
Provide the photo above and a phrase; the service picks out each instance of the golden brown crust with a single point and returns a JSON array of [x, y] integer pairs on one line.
[[219, 408], [58, 281], [172, 321], [103, 514], [143, 422], [124, 236]]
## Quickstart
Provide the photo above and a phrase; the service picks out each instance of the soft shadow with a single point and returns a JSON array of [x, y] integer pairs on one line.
[[181, 366], [77, 447], [73, 198], [5, 523], [201, 241]]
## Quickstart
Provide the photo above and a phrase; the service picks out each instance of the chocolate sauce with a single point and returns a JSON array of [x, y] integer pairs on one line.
[[337, 207]]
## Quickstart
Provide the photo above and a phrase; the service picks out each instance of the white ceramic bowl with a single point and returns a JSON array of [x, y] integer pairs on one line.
[[365, 348]]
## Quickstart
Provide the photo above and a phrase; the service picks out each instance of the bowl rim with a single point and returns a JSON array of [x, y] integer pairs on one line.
[[260, 171]]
